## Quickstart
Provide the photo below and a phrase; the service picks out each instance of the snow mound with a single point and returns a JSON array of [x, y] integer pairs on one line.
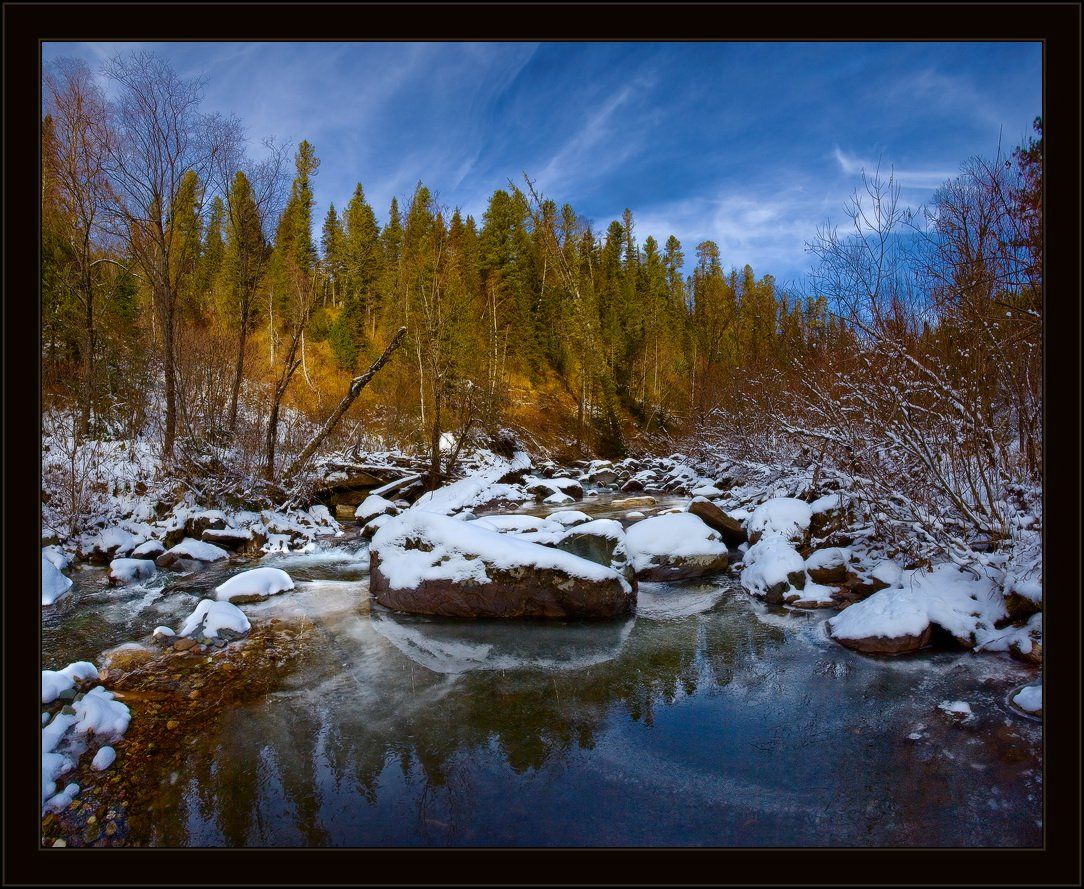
[[53, 583], [197, 550], [98, 714], [104, 758], [373, 506], [125, 571], [568, 517], [786, 517], [55, 682], [1030, 698], [770, 562], [259, 583], [211, 617]]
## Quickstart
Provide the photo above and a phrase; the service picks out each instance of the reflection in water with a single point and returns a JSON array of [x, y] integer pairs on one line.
[[708, 718]]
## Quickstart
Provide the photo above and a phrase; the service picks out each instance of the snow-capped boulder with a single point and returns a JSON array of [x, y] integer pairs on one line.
[[1030, 699], [731, 530], [53, 583], [828, 565], [785, 517], [254, 585], [192, 550], [212, 619], [672, 547], [425, 563], [234, 539], [125, 571], [152, 549], [601, 541], [558, 498], [902, 618], [832, 514], [372, 506], [375, 524], [773, 570], [568, 518]]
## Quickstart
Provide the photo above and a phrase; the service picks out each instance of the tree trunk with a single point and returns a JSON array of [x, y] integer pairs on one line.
[[170, 374], [356, 385], [88, 359], [238, 369]]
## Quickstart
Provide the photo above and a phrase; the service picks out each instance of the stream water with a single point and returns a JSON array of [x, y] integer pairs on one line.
[[707, 718]]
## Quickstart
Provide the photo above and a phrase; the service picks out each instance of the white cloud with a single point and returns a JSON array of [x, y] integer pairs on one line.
[[852, 165]]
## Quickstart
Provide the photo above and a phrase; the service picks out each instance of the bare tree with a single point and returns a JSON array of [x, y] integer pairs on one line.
[[83, 143], [160, 135]]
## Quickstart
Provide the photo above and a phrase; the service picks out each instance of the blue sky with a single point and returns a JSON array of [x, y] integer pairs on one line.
[[750, 145]]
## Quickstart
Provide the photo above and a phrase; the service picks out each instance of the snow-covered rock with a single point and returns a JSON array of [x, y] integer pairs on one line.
[[671, 547], [429, 564], [773, 570], [828, 565], [125, 571], [546, 489], [149, 550], [215, 619], [568, 517], [57, 556], [785, 517], [97, 713], [1030, 699], [53, 583], [195, 550], [254, 585], [373, 506], [111, 543], [558, 498], [104, 758], [902, 618], [54, 683], [601, 541]]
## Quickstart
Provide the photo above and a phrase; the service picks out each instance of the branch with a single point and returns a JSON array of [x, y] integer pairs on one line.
[[356, 385]]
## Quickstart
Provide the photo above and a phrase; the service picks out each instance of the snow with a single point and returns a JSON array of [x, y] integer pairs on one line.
[[63, 799], [568, 517], [98, 714], [55, 682], [211, 616], [831, 557], [57, 556], [558, 499], [257, 582], [784, 516], [151, 548], [116, 539], [475, 489], [1029, 698], [517, 524], [461, 552], [680, 534], [767, 563], [131, 570], [955, 707], [887, 571], [835, 500], [53, 583], [104, 758], [165, 632], [198, 550], [373, 506], [965, 606]]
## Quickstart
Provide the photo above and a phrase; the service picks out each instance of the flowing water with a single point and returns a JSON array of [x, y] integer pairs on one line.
[[707, 718]]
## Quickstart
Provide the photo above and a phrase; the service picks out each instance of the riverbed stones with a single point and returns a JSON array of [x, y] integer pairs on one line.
[[633, 502]]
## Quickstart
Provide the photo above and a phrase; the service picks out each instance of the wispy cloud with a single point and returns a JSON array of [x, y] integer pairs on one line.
[[906, 178]]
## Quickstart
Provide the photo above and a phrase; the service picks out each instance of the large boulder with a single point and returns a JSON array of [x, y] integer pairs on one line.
[[544, 488], [902, 618], [830, 565], [673, 547], [731, 530], [424, 563]]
